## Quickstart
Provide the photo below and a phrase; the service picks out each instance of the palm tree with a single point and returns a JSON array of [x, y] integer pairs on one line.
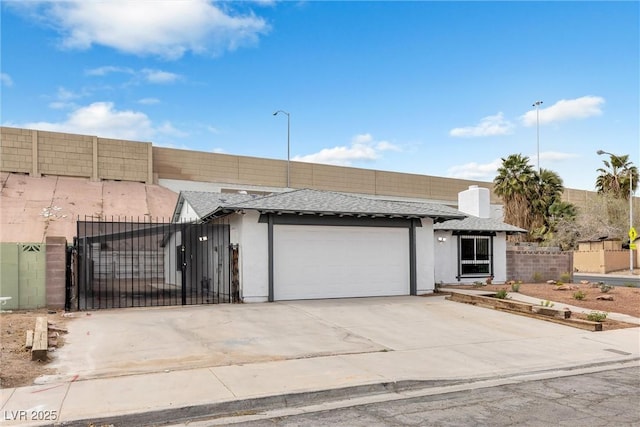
[[516, 185], [618, 176], [549, 191]]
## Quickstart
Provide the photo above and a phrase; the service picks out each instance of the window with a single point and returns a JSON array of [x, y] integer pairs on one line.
[[475, 255]]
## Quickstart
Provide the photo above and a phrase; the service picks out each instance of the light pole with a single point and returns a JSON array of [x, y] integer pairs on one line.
[[537, 105], [601, 152], [288, 145]]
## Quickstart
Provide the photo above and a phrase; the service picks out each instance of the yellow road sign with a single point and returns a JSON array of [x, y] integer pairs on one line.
[[633, 234], [632, 246]]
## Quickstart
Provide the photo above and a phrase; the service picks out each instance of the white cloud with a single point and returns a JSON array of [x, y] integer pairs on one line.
[[363, 148], [6, 80], [488, 126], [147, 74], [64, 94], [101, 118], [475, 171], [566, 109], [64, 99], [168, 129], [108, 69], [148, 101], [159, 76], [488, 171], [164, 28], [59, 105]]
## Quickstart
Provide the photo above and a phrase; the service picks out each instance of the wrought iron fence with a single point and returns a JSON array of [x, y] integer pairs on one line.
[[129, 263]]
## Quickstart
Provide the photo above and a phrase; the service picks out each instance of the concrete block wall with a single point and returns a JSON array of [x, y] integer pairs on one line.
[[123, 160], [16, 150], [56, 267], [527, 265], [186, 165], [41, 152], [64, 154], [56, 153]]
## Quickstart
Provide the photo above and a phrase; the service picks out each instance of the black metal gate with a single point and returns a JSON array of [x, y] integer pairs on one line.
[[142, 264]]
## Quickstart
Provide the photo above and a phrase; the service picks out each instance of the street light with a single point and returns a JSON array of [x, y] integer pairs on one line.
[[601, 152], [288, 145], [537, 105]]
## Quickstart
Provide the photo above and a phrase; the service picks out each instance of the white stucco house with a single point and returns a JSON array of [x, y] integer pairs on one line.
[[307, 244], [311, 244], [474, 248]]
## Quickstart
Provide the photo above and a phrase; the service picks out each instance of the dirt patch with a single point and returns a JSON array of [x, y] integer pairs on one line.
[[17, 367], [626, 300]]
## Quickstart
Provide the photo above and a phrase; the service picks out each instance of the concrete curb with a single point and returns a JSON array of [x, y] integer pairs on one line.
[[253, 406]]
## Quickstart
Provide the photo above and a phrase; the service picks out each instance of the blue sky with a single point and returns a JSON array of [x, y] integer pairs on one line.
[[436, 88]]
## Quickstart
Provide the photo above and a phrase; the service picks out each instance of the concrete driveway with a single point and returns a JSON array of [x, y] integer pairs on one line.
[[408, 330]]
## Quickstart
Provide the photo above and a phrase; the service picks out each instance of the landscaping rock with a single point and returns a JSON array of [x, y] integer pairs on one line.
[[564, 288], [605, 297]]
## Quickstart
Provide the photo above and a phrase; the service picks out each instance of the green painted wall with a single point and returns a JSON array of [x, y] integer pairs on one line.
[[22, 275]]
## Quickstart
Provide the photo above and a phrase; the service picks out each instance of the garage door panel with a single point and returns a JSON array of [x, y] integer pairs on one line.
[[334, 262]]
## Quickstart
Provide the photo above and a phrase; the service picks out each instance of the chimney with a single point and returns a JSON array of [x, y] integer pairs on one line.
[[475, 201]]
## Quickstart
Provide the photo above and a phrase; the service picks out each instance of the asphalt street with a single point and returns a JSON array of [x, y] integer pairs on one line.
[[611, 280], [606, 398]]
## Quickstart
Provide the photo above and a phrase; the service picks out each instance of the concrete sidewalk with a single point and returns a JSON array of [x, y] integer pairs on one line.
[[408, 343]]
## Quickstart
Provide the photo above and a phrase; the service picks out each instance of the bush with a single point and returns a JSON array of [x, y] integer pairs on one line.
[[546, 303], [579, 295], [565, 277], [537, 277], [597, 316], [605, 287], [515, 287], [501, 294]]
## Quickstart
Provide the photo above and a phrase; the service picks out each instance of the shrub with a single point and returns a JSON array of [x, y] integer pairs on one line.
[[597, 316], [579, 295], [605, 287], [537, 277], [515, 287], [546, 303], [478, 284], [501, 294], [565, 277], [630, 285]]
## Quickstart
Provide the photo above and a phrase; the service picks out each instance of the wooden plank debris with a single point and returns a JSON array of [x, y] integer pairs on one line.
[[40, 340], [29, 342]]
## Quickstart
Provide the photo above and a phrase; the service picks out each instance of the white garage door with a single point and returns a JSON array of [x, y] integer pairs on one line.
[[335, 262]]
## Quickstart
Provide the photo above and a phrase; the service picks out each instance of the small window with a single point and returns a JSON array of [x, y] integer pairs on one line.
[[475, 255]]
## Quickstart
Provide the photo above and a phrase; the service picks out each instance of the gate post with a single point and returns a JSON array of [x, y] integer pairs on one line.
[[56, 269]]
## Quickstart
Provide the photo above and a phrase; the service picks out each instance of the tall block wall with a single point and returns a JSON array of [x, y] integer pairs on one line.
[[55, 153], [64, 154], [171, 163], [529, 265], [16, 150]]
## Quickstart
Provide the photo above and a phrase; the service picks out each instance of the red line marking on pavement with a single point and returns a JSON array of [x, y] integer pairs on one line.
[[56, 386]]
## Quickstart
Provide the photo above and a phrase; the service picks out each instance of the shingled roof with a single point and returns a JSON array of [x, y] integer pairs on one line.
[[473, 223], [205, 202], [315, 202]]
